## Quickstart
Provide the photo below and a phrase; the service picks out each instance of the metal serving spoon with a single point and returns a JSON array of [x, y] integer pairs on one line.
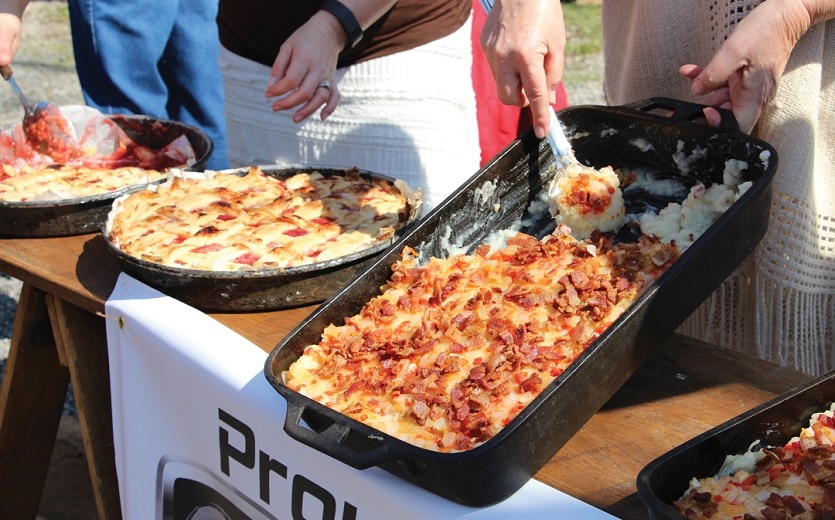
[[46, 128]]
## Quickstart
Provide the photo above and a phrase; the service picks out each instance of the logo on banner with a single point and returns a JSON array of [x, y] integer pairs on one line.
[[190, 491]]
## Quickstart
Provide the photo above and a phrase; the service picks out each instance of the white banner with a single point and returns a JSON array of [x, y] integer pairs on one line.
[[198, 433]]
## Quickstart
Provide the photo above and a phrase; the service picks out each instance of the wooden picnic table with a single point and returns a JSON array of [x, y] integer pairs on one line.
[[685, 388]]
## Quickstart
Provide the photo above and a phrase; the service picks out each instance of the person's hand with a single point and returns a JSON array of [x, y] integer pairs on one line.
[[524, 41], [744, 73], [306, 60], [11, 12]]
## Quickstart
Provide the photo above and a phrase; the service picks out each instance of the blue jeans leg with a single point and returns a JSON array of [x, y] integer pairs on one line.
[[152, 57]]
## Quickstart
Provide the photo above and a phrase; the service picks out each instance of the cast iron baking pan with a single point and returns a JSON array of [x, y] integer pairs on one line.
[[497, 197], [82, 215], [773, 423], [265, 289]]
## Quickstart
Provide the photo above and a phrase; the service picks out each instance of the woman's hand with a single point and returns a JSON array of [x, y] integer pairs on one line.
[[11, 12], [744, 73], [524, 41], [306, 60]]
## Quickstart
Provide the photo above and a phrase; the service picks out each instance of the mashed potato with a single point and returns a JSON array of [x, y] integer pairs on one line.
[[683, 223], [586, 199]]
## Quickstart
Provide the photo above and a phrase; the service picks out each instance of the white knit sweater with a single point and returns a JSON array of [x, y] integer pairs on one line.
[[780, 304]]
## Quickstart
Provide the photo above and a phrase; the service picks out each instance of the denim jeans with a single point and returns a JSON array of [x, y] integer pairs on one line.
[[152, 57]]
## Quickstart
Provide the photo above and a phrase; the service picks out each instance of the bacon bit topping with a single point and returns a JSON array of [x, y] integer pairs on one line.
[[466, 341]]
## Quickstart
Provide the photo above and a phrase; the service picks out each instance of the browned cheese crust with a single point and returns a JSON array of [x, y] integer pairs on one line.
[[231, 222], [68, 182]]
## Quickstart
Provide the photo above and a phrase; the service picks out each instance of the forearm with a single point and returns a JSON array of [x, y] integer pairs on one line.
[[819, 10], [796, 17], [365, 11]]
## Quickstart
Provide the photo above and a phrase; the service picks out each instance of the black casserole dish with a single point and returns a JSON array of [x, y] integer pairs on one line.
[[498, 197], [773, 423], [265, 289], [52, 218]]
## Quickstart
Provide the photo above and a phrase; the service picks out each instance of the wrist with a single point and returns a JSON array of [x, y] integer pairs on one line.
[[346, 20]]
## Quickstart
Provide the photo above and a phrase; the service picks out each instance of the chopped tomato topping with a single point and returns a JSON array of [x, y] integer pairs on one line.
[[247, 259], [208, 248], [295, 232], [748, 482]]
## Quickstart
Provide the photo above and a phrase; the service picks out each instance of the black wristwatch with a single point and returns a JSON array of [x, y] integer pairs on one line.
[[346, 19]]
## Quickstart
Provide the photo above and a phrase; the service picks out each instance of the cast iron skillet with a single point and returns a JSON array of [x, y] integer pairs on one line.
[[773, 423], [53, 218], [657, 135], [265, 289]]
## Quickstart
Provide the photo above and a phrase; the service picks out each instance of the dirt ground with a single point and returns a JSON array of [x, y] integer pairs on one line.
[[68, 493]]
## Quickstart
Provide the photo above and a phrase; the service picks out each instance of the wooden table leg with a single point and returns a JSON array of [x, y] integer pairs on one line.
[[83, 338], [31, 402]]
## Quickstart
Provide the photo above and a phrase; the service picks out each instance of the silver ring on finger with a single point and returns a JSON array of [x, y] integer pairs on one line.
[[324, 84]]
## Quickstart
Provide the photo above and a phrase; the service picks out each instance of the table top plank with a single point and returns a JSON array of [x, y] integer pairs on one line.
[[264, 329], [77, 269]]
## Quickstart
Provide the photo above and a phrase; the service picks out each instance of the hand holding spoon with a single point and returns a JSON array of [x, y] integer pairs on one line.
[[581, 197]]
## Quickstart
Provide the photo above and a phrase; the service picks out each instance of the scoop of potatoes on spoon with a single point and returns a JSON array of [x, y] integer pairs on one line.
[[581, 197], [584, 198]]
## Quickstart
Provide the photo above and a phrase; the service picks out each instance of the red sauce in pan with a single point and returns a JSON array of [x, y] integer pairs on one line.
[[48, 139], [48, 131]]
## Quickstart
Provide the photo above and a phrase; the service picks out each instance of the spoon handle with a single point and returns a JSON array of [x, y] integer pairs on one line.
[[6, 72], [558, 141]]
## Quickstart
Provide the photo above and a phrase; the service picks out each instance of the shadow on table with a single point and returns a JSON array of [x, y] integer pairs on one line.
[[695, 365]]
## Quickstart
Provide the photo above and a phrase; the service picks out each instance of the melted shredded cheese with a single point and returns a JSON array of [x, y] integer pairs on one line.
[[451, 351]]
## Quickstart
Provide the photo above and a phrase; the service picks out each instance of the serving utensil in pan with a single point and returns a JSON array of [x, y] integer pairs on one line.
[[630, 137], [45, 127], [568, 169], [77, 216]]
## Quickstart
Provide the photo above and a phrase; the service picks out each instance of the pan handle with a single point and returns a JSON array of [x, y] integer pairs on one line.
[[334, 435], [683, 111]]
